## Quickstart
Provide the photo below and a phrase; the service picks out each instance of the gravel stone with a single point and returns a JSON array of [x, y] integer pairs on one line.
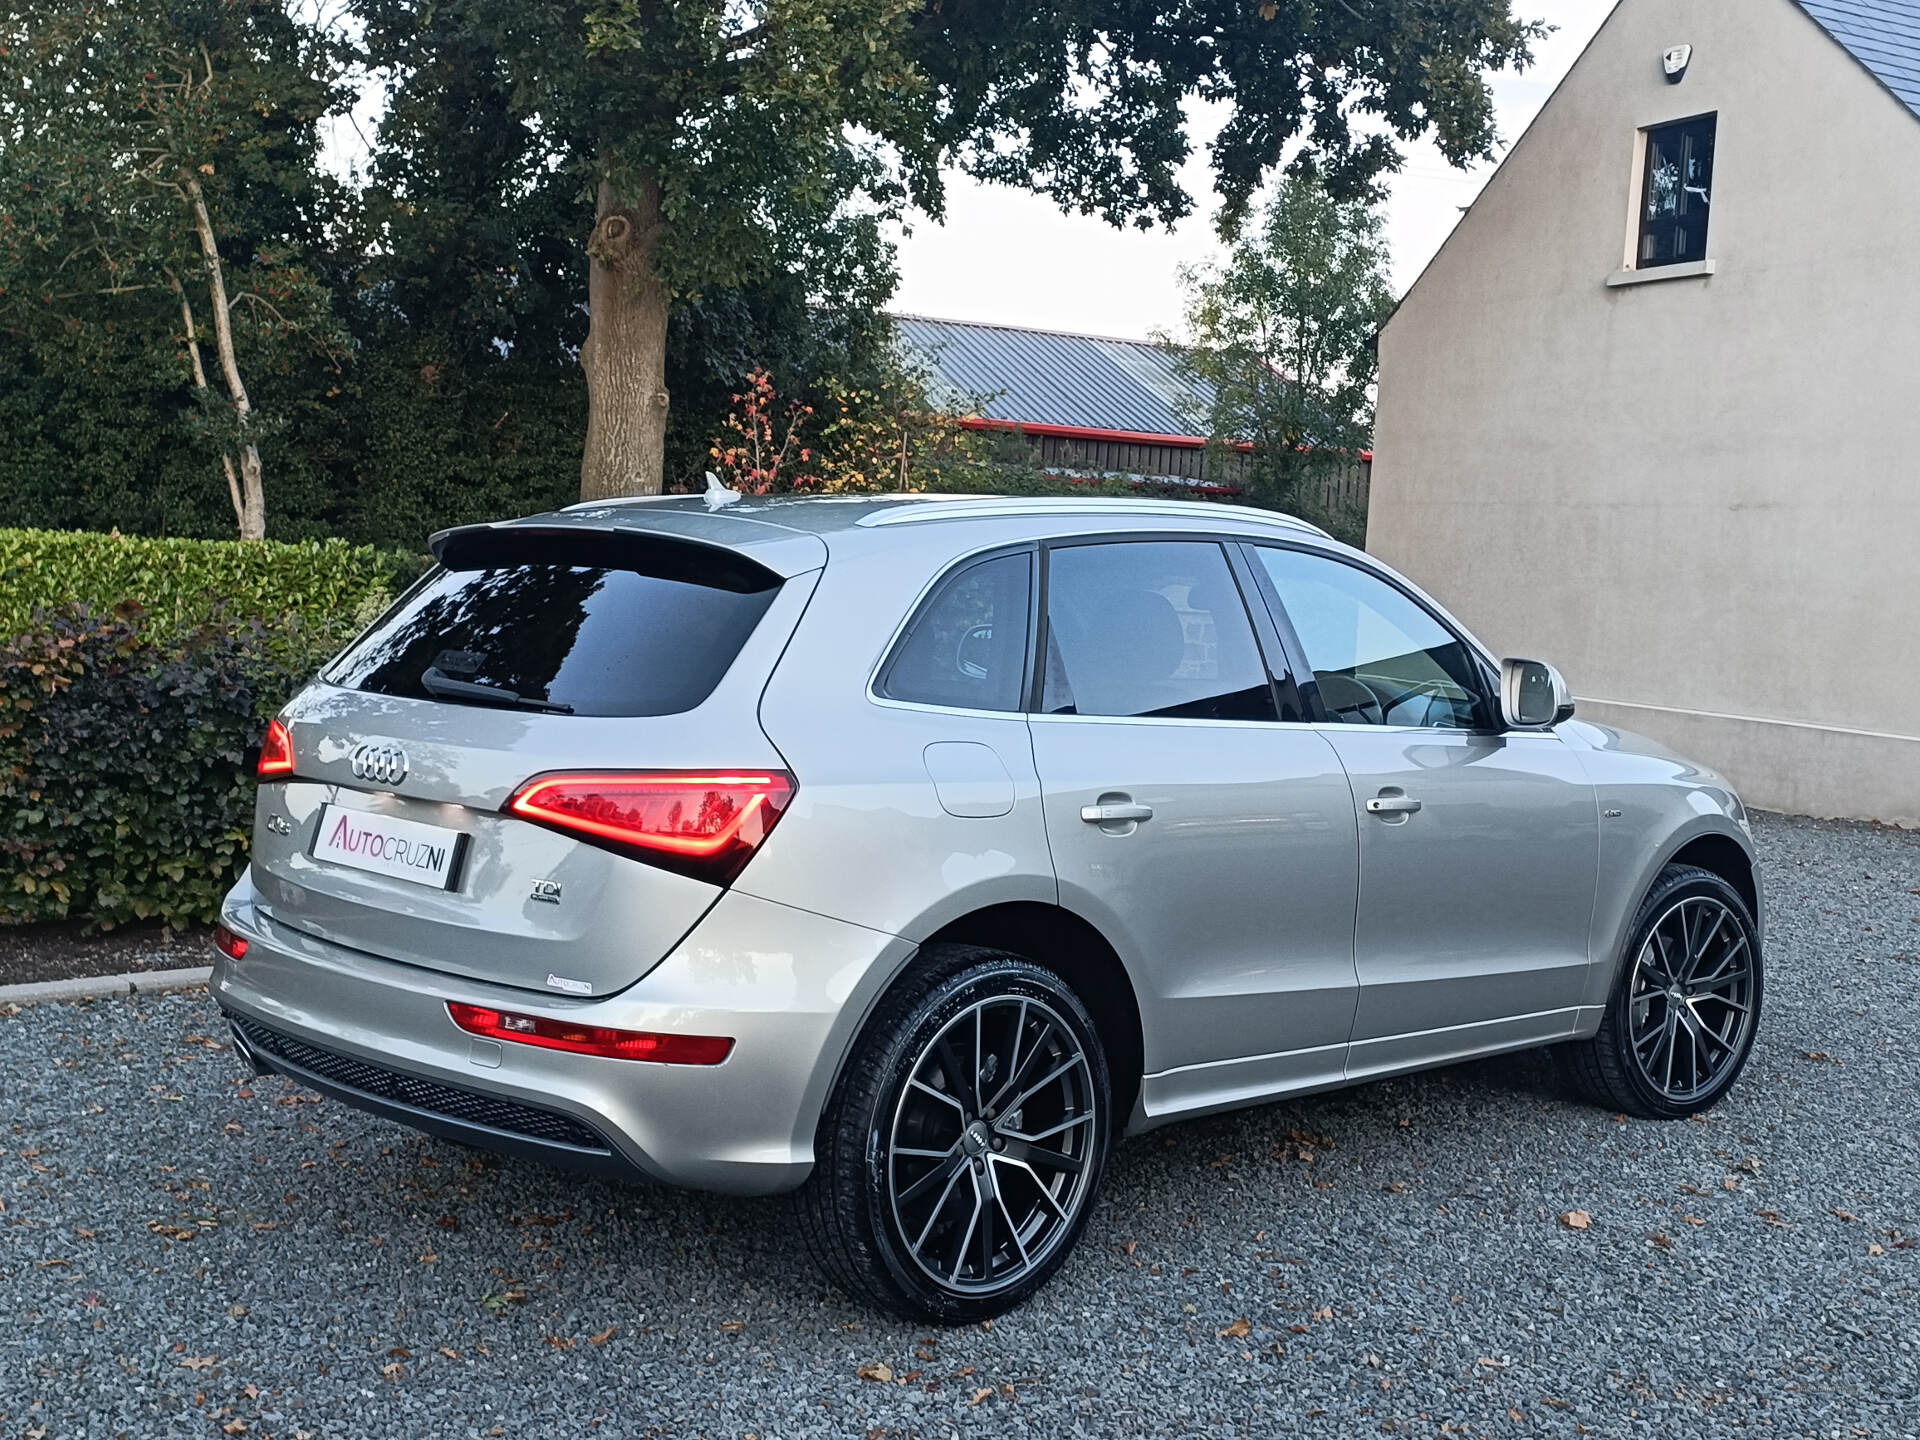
[[184, 1252]]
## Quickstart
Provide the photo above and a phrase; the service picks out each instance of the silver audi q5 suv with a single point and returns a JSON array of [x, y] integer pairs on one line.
[[906, 853]]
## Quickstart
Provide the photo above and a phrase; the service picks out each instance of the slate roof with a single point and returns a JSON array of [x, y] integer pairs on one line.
[[1883, 35], [1049, 377]]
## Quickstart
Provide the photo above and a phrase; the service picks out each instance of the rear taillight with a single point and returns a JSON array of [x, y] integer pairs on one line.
[[705, 824], [276, 753], [228, 943], [662, 1049]]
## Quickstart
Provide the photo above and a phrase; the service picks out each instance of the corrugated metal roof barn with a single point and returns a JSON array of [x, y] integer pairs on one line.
[[1050, 378]]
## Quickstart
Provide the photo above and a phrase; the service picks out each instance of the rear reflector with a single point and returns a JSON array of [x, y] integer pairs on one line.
[[276, 753], [705, 824], [228, 943], [590, 1039]]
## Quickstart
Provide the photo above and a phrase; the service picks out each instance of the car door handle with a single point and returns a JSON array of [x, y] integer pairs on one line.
[[1393, 805], [1114, 814]]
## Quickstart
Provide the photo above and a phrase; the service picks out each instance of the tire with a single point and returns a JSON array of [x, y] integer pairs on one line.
[[1678, 1027], [913, 1169]]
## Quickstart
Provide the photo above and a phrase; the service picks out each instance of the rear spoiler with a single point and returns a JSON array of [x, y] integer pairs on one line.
[[684, 558]]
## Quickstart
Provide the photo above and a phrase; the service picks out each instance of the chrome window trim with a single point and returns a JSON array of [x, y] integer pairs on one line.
[[1171, 720], [926, 708]]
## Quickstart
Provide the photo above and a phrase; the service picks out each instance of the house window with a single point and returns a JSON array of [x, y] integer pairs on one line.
[[1676, 193]]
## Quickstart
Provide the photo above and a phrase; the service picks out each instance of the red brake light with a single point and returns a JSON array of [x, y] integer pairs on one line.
[[706, 824], [276, 753], [590, 1039], [228, 943]]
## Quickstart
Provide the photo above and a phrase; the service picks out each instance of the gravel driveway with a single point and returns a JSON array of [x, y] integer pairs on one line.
[[186, 1254]]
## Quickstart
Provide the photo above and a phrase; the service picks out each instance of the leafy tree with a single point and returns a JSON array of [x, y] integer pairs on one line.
[[160, 155], [1281, 337], [725, 144]]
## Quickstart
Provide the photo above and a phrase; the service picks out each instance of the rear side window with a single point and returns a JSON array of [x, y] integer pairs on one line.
[[1153, 629], [967, 647], [635, 632]]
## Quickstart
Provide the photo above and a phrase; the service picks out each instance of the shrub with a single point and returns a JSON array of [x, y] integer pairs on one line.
[[135, 674], [314, 596], [124, 792]]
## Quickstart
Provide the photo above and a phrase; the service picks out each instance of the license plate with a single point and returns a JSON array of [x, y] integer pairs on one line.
[[387, 845]]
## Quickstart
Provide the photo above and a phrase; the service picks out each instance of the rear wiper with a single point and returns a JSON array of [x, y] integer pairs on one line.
[[438, 683]]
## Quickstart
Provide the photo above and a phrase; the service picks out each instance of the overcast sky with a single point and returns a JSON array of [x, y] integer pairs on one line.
[[1011, 257]]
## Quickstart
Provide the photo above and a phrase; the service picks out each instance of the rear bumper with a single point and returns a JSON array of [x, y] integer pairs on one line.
[[789, 986]]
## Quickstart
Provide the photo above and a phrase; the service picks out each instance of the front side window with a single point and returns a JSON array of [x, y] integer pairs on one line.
[[1676, 193], [1151, 629], [1378, 656], [967, 648]]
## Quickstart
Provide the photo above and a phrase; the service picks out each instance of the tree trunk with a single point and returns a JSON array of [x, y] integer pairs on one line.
[[625, 357], [253, 500], [200, 383]]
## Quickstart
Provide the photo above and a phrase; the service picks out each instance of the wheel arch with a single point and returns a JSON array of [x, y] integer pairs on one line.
[[1060, 940], [1720, 854]]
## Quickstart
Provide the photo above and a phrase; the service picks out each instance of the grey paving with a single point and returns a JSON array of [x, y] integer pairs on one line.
[[183, 1253]]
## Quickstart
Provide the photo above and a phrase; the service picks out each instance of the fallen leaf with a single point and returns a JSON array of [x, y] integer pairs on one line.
[[985, 1392], [1873, 1249], [1395, 1187], [232, 1427], [1772, 1217], [394, 1371], [1487, 1362], [604, 1336], [199, 1362], [879, 1372], [449, 1353], [1656, 1238], [1844, 1215], [1238, 1330], [1577, 1220], [560, 1342], [1693, 1219], [733, 1327], [1822, 1055]]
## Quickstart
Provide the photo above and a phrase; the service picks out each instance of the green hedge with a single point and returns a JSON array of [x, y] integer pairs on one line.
[[125, 793], [135, 674], [324, 590]]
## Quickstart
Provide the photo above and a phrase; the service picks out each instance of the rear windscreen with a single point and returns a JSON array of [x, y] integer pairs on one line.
[[582, 639]]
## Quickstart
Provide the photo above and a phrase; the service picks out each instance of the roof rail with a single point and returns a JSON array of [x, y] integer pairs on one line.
[[986, 506]]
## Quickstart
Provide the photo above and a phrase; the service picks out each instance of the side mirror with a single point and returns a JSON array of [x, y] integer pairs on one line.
[[1532, 695]]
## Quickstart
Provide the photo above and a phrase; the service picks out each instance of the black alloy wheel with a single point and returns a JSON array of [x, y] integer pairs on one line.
[[1685, 1006], [956, 1164]]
